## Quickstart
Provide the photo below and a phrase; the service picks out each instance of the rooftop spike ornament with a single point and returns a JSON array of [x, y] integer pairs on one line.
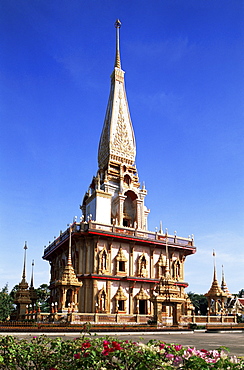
[[24, 275], [214, 261], [117, 56], [32, 274]]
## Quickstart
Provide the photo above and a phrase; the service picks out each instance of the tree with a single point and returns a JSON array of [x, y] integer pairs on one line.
[[241, 293], [13, 291], [200, 302], [43, 297], [6, 304]]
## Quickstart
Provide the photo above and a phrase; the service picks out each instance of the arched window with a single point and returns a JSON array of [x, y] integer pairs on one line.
[[127, 180], [129, 211], [121, 263], [120, 300]]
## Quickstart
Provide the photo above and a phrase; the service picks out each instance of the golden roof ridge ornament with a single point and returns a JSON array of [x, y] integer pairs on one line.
[[117, 56]]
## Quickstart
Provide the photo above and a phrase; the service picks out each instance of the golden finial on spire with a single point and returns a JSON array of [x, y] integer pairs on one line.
[[117, 56]]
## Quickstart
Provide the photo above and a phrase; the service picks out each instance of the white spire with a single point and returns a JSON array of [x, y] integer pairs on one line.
[[117, 142]]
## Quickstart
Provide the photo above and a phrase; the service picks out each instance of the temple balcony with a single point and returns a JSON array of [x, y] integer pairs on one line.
[[121, 232]]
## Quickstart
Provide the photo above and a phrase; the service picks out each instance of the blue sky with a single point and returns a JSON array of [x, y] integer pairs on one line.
[[184, 80]]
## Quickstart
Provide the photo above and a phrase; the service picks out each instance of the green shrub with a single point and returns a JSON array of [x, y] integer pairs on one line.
[[43, 353]]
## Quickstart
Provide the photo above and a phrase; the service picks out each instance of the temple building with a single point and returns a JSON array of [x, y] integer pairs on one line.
[[108, 261]]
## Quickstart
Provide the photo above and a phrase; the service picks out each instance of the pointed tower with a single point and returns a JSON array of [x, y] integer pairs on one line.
[[216, 296], [115, 258], [22, 296], [33, 295], [224, 285], [115, 196]]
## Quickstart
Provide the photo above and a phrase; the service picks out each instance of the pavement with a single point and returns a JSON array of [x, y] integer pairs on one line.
[[199, 339]]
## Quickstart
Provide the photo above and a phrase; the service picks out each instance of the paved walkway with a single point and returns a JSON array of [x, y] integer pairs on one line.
[[233, 340]]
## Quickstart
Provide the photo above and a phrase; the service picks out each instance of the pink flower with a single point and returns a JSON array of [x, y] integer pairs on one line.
[[77, 356], [161, 346], [178, 347], [177, 360], [169, 356]]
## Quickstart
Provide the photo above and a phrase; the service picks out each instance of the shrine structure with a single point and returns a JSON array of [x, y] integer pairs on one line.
[[108, 262]]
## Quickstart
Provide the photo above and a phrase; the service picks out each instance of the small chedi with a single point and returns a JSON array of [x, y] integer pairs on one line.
[[220, 301], [25, 296]]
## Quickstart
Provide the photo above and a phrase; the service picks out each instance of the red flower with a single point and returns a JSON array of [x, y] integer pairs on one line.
[[85, 345], [161, 346], [204, 350], [77, 356], [116, 346]]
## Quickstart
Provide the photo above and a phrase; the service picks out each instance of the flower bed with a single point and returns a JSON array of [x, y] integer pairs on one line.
[[43, 353]]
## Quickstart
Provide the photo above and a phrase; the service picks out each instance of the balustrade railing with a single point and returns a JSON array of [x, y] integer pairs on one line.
[[133, 232]]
